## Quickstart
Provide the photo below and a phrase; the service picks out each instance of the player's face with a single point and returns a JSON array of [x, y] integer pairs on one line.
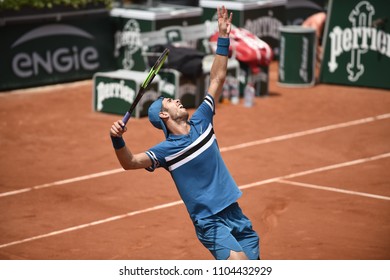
[[175, 109]]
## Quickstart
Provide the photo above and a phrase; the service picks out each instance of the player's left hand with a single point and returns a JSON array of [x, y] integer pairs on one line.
[[224, 22]]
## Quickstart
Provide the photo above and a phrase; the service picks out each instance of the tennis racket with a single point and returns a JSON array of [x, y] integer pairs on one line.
[[152, 73]]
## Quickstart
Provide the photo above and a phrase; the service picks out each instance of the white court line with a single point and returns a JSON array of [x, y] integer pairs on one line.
[[63, 182], [317, 187], [316, 170], [306, 132], [114, 218], [225, 149], [162, 206], [53, 89]]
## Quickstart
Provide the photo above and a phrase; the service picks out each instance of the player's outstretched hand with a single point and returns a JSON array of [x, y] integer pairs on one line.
[[118, 128], [224, 21]]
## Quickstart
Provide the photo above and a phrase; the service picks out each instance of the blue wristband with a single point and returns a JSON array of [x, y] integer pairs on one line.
[[223, 46], [117, 142]]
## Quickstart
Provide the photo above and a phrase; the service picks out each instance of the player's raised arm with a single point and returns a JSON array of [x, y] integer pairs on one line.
[[219, 67]]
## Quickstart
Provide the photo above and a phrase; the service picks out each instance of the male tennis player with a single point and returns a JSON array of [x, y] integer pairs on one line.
[[191, 154]]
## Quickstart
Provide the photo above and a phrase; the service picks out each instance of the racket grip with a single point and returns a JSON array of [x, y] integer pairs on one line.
[[126, 118]]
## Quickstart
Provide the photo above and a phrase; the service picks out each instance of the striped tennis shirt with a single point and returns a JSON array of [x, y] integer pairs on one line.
[[196, 166]]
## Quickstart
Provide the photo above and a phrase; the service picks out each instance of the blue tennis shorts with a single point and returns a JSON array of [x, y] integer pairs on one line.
[[228, 230]]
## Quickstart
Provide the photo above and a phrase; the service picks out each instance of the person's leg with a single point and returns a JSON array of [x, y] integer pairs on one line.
[[237, 256], [244, 233], [216, 236], [249, 241]]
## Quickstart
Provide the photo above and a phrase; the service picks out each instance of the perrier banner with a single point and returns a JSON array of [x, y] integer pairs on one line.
[[357, 43]]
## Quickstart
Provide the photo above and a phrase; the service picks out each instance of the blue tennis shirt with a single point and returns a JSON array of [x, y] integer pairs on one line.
[[196, 166]]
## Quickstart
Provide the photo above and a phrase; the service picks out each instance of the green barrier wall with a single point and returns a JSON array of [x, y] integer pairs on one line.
[[54, 49], [357, 44]]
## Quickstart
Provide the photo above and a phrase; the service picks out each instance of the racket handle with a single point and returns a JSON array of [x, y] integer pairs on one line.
[[126, 118]]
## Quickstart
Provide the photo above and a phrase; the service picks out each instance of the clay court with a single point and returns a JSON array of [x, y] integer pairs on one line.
[[313, 165]]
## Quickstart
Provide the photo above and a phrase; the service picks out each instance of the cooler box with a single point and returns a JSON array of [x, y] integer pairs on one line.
[[176, 86], [114, 92], [262, 18], [133, 20], [260, 80], [191, 92], [233, 70]]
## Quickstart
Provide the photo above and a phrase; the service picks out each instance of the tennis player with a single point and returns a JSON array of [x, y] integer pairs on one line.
[[191, 154]]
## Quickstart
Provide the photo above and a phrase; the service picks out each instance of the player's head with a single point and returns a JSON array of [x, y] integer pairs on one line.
[[165, 110], [154, 115]]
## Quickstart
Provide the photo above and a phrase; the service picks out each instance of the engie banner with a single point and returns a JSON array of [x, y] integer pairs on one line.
[[54, 48], [357, 43]]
